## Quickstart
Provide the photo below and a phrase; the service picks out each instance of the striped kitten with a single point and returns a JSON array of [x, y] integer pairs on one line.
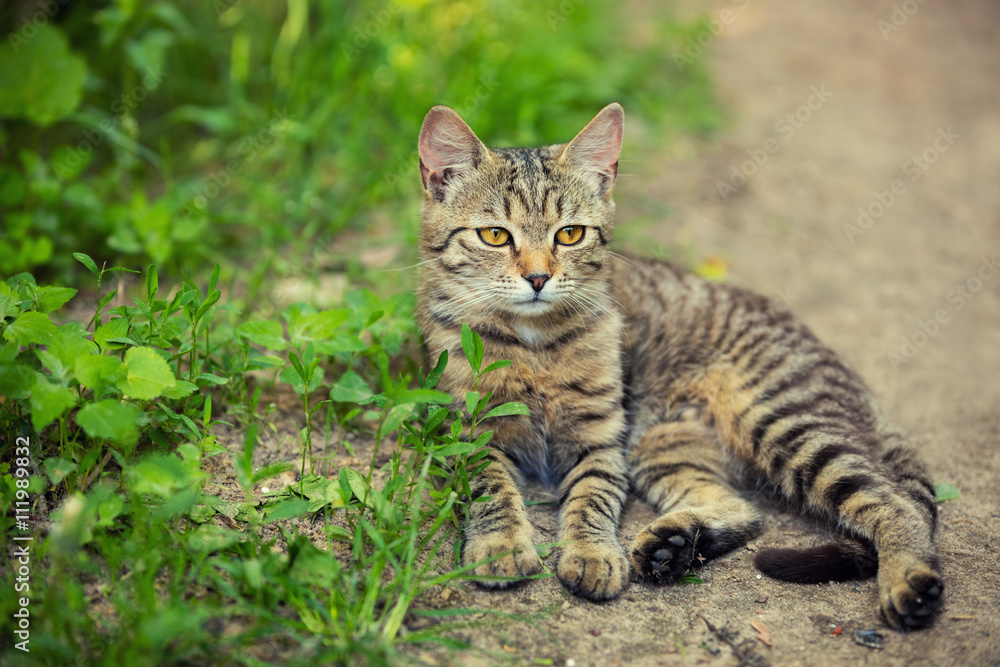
[[641, 375]]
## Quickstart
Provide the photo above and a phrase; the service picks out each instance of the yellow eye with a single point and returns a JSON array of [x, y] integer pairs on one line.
[[570, 235], [495, 236]]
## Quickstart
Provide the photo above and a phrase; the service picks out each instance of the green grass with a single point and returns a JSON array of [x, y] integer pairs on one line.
[[140, 540], [224, 147]]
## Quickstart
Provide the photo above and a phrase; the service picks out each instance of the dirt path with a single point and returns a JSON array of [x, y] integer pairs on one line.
[[865, 98]]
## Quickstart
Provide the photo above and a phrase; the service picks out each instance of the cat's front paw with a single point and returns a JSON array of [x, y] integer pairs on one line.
[[660, 555], [519, 560], [910, 595], [594, 570]]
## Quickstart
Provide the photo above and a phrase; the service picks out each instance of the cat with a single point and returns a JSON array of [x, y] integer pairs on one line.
[[641, 376]]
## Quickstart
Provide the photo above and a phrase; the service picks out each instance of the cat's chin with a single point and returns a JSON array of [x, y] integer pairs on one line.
[[530, 307]]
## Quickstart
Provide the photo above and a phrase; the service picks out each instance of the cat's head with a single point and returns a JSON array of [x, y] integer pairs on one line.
[[517, 231]]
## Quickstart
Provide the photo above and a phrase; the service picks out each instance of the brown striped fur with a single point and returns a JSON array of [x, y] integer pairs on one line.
[[639, 374]]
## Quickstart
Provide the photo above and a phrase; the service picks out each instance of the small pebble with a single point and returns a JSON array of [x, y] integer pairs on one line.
[[595, 632], [868, 638]]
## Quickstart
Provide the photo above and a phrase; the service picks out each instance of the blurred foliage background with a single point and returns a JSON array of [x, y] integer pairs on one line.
[[252, 133]]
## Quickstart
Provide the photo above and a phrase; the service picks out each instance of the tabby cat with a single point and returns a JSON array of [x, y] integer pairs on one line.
[[640, 375]]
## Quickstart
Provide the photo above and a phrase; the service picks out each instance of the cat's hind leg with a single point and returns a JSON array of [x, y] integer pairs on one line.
[[678, 467]]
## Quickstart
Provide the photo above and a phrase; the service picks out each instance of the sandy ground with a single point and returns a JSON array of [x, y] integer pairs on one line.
[[907, 109]]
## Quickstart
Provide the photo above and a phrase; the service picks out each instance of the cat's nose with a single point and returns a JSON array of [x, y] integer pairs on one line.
[[537, 280]]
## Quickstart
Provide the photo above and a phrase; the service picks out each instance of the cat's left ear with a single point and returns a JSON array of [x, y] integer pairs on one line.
[[595, 151]]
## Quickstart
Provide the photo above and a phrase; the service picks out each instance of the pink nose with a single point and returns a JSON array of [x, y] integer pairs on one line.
[[537, 280]]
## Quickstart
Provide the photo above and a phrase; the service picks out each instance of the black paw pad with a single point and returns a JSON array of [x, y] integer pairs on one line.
[[916, 608], [662, 558]]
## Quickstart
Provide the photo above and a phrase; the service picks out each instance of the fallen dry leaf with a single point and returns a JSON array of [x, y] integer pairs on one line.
[[763, 632]]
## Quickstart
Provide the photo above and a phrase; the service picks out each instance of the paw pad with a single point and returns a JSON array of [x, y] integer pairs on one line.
[[663, 556]]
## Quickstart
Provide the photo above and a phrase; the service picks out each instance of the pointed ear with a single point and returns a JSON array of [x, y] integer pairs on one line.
[[448, 148], [594, 152]]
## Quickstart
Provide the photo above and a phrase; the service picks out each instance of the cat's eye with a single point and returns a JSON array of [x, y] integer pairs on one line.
[[495, 236], [570, 235]]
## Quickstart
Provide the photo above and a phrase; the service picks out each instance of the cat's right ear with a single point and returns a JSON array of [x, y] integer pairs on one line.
[[448, 148]]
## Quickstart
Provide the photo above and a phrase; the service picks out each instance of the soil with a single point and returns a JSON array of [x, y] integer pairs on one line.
[[902, 119]]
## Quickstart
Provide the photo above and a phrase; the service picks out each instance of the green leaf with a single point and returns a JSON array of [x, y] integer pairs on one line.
[[210, 301], [340, 344], [394, 419], [501, 363], [290, 375], [58, 469], [96, 371], [469, 346], [945, 491], [435, 375], [152, 283], [287, 509], [212, 378], [87, 262], [111, 420], [162, 475], [146, 374], [16, 377], [350, 388], [8, 302], [30, 327], [507, 409], [423, 396], [53, 298], [48, 402], [356, 483], [67, 346], [456, 449], [41, 80], [180, 389], [265, 333], [112, 329], [471, 401], [318, 327]]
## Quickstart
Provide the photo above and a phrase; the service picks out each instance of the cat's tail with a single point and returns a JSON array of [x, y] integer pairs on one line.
[[843, 560]]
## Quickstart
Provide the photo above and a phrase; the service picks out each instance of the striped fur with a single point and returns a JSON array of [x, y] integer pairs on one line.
[[641, 375]]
